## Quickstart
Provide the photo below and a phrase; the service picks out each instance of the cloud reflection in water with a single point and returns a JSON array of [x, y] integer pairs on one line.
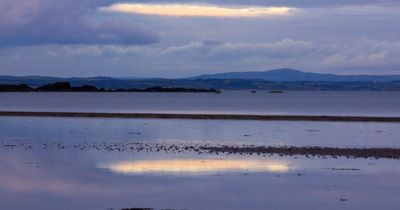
[[194, 166]]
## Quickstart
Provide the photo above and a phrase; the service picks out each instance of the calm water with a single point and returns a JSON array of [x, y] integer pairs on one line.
[[236, 102], [336, 134], [71, 178], [59, 177]]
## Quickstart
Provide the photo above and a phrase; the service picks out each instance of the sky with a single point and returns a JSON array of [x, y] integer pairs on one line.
[[175, 39]]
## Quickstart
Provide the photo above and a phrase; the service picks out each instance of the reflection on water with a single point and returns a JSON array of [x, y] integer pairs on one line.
[[50, 176], [278, 133], [194, 166], [50, 179]]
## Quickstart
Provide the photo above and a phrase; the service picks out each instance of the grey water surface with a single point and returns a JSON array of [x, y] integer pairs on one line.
[[352, 103], [35, 176], [54, 179]]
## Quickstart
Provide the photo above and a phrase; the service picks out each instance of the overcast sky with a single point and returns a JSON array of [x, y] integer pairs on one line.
[[183, 38]]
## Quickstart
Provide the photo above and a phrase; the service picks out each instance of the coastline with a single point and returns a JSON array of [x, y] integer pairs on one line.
[[326, 118]]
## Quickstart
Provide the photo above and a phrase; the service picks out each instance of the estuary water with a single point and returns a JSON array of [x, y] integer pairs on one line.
[[352, 103], [43, 168], [91, 180], [66, 163], [267, 133]]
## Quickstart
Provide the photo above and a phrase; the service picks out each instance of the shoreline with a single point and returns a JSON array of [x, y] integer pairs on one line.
[[325, 118]]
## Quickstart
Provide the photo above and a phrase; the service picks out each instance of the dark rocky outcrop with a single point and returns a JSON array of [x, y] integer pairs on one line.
[[56, 87], [15, 88], [66, 87], [276, 91], [88, 88]]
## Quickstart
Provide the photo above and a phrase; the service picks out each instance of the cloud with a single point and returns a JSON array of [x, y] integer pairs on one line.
[[206, 56], [35, 22], [193, 10], [287, 3], [218, 50], [358, 56], [76, 38]]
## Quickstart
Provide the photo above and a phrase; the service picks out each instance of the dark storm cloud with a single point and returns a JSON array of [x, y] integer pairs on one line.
[[81, 38], [36, 22]]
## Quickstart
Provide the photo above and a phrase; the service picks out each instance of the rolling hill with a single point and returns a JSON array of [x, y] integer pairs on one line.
[[290, 75], [280, 79]]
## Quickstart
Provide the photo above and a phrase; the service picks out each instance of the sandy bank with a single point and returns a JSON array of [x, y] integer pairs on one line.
[[204, 116]]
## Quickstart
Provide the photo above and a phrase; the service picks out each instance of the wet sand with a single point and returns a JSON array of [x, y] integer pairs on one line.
[[204, 116]]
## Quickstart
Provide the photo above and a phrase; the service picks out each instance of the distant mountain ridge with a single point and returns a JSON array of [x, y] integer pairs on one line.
[[280, 79], [291, 75]]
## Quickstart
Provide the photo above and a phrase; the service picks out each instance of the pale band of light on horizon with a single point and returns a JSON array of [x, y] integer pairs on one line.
[[191, 10]]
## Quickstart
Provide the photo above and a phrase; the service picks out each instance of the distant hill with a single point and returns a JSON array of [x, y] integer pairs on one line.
[[280, 79], [36, 81], [290, 75]]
